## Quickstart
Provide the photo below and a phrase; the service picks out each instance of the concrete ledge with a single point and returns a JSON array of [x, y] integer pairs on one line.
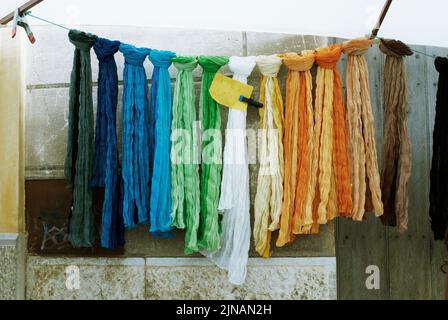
[[85, 262], [8, 239], [277, 278], [178, 278], [329, 262], [85, 279]]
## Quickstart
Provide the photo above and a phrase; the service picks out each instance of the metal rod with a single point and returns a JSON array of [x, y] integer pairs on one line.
[[381, 19], [23, 8]]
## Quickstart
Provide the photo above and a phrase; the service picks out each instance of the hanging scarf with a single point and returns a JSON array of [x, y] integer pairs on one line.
[[160, 130], [184, 169], [362, 149], [209, 238], [234, 202], [269, 196], [397, 162], [334, 176], [438, 210], [135, 158], [105, 163], [78, 162], [299, 124]]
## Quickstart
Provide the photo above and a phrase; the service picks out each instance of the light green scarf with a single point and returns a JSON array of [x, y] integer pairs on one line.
[[184, 169]]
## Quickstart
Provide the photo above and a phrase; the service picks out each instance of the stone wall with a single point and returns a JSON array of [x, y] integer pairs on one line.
[[48, 68]]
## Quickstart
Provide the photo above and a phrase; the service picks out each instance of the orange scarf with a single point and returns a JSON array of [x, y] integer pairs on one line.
[[299, 123], [334, 175]]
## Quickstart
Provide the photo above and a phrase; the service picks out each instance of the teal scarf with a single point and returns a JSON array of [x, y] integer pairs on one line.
[[135, 159], [160, 130]]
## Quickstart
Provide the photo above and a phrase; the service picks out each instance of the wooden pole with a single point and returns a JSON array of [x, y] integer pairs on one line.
[[23, 8], [381, 19], [446, 288], [444, 269]]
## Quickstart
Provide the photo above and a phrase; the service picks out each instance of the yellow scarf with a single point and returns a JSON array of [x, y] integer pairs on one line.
[[269, 197]]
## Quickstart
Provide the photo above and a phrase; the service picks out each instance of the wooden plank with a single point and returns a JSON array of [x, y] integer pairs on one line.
[[410, 270], [360, 245], [438, 278]]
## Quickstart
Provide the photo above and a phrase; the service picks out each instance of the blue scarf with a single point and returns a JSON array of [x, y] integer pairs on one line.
[[105, 161], [135, 162], [160, 128]]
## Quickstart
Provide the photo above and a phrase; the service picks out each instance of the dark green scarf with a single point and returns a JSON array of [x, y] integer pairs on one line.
[[78, 163]]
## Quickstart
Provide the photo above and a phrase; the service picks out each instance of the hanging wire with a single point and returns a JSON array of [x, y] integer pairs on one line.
[[28, 13], [425, 54]]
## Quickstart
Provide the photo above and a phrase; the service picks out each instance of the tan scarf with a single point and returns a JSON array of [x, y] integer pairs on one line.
[[362, 150]]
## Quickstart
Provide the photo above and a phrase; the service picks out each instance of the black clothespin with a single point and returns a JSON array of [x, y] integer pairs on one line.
[[21, 21], [251, 102]]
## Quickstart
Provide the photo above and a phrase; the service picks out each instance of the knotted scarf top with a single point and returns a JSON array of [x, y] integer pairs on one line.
[[395, 48], [133, 55]]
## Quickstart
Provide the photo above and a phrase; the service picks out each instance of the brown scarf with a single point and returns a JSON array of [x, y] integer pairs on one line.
[[397, 162]]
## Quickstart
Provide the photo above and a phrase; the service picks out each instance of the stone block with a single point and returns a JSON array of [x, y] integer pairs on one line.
[[12, 266], [198, 278], [99, 279]]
